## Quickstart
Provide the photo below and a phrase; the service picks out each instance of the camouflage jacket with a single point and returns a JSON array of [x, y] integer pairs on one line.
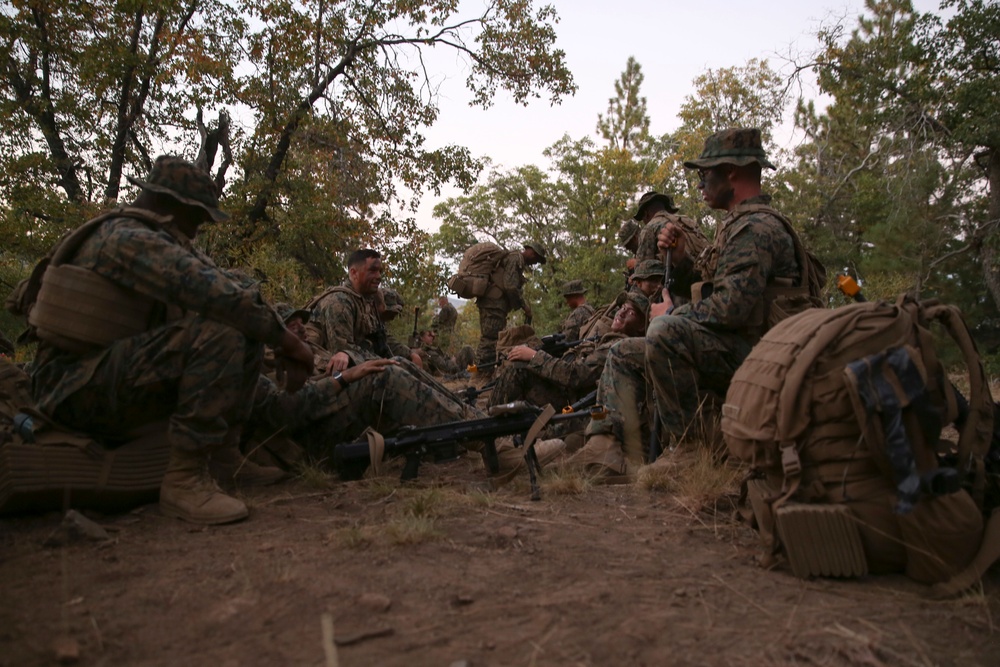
[[695, 243], [344, 321], [446, 318], [749, 252], [435, 361], [578, 370], [509, 277], [570, 327], [160, 263]]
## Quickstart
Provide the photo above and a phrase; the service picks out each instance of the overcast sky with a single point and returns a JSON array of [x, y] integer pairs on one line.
[[674, 42]]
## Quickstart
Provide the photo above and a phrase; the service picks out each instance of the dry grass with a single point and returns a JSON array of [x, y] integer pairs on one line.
[[410, 529], [690, 475], [314, 476], [566, 482]]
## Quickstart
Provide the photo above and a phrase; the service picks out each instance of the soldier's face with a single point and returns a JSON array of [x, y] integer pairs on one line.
[[628, 320], [715, 187], [297, 327], [427, 338], [367, 278], [649, 286]]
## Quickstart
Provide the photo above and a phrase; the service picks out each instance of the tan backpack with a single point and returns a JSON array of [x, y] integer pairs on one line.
[[839, 413], [476, 271]]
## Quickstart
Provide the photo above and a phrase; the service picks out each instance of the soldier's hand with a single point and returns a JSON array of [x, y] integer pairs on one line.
[[293, 362], [338, 362], [520, 353], [661, 308], [672, 237], [367, 368]]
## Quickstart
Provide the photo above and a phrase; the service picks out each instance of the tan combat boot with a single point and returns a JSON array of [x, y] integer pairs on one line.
[[229, 467], [189, 493], [512, 458], [603, 456]]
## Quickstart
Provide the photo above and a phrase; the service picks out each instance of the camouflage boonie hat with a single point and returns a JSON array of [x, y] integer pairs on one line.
[[573, 287], [649, 198], [393, 302], [538, 248], [287, 312], [639, 301], [184, 182], [629, 230], [649, 268], [740, 146]]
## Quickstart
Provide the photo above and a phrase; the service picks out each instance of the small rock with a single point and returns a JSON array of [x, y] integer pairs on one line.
[[461, 663], [375, 602], [508, 532], [67, 650], [75, 527], [462, 600]]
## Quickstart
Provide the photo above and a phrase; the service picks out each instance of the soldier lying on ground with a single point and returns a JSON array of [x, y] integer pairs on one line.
[[541, 378], [435, 361]]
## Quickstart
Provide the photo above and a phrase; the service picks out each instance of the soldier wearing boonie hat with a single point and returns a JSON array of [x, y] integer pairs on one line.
[[652, 203], [697, 346], [575, 293], [200, 372]]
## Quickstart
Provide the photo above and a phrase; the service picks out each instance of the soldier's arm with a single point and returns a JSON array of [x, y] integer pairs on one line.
[[574, 374], [739, 282], [154, 264]]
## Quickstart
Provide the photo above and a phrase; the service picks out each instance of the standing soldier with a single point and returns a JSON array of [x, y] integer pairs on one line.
[[575, 295], [493, 310], [444, 323]]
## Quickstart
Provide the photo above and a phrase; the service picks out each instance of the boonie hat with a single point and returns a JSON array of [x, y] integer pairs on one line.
[[639, 301], [537, 247], [739, 146], [629, 230], [573, 287], [185, 182], [649, 198], [649, 268]]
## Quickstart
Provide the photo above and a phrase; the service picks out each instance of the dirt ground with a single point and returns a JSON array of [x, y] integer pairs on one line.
[[443, 572]]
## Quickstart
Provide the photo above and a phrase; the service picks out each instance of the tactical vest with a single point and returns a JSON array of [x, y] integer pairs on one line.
[[76, 309], [783, 296]]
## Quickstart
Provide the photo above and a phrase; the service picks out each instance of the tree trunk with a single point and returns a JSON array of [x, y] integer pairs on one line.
[[991, 272]]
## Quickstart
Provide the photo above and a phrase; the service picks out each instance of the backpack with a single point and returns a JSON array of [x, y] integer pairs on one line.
[[476, 271], [839, 413]]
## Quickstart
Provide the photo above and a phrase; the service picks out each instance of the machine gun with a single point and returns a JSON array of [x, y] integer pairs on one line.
[[470, 394], [414, 442]]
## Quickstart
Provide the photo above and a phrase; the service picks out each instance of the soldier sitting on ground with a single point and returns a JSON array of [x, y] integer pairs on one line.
[[575, 295], [435, 361]]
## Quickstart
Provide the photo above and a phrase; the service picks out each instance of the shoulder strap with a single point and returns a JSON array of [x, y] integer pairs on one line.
[[325, 293], [808, 265]]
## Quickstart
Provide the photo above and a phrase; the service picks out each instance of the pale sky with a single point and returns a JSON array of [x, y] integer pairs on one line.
[[674, 42]]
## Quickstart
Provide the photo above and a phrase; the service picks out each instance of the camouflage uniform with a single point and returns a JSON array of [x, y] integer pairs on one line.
[[493, 311], [557, 380], [443, 324], [695, 242], [200, 369], [436, 362], [571, 326], [344, 321], [321, 415]]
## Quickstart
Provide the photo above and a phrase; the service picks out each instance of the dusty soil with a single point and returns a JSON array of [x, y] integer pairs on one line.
[[440, 572]]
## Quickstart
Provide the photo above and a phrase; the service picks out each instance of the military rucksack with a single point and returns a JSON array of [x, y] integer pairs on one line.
[[839, 413], [476, 272]]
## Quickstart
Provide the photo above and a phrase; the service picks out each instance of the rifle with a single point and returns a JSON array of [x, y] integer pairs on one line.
[[414, 442], [557, 345], [470, 394], [415, 337]]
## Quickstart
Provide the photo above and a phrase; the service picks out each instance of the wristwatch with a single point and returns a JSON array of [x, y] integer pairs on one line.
[[340, 379]]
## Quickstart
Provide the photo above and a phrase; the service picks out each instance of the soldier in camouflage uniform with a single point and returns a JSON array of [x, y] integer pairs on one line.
[[648, 278], [444, 323], [540, 378], [345, 318], [692, 350], [296, 320], [580, 311], [435, 360], [198, 361], [493, 311], [389, 305], [658, 211]]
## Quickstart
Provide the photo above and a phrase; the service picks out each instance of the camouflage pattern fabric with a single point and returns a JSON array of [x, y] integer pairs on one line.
[[745, 257], [695, 241], [622, 391], [557, 380], [321, 415], [435, 361], [445, 320], [570, 327], [194, 369], [344, 321], [510, 277]]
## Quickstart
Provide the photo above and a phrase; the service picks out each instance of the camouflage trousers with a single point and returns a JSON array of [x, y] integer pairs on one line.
[[492, 320], [686, 364], [320, 415], [517, 382], [622, 392], [199, 374]]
